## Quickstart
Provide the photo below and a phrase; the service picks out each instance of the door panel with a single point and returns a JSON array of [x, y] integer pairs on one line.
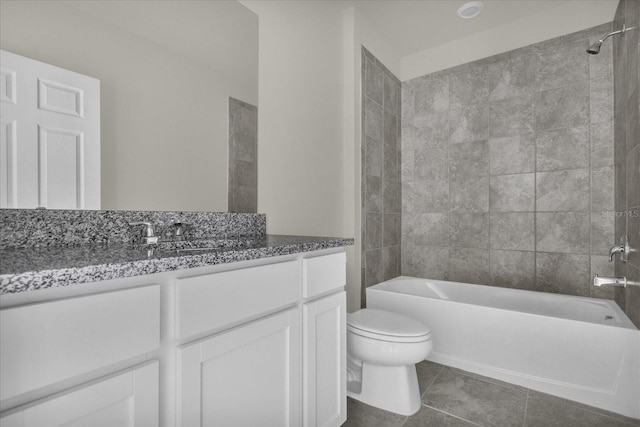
[[8, 166], [42, 106], [249, 376], [324, 355]]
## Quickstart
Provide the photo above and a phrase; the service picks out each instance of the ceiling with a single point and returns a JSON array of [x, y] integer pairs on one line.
[[408, 26], [412, 26]]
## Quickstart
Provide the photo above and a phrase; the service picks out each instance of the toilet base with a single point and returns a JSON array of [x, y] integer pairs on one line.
[[392, 388]]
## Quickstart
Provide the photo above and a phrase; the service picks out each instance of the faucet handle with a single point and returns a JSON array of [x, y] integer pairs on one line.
[[181, 227], [622, 249], [615, 250], [148, 227], [148, 235], [176, 230]]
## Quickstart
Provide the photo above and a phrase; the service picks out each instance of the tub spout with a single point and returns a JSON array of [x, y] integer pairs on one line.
[[609, 281]]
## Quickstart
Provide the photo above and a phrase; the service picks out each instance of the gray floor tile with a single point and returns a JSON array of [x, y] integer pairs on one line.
[[455, 398], [550, 411], [476, 400], [427, 372], [362, 415], [489, 380], [428, 417]]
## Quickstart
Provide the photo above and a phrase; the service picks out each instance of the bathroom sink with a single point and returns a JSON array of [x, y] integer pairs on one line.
[[200, 246], [189, 245], [205, 249]]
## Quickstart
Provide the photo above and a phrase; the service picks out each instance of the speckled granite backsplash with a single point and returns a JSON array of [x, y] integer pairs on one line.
[[28, 228]]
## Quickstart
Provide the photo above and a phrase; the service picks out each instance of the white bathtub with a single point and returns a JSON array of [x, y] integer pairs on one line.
[[583, 349]]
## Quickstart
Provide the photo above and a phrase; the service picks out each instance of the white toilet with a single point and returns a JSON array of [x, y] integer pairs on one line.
[[382, 350]]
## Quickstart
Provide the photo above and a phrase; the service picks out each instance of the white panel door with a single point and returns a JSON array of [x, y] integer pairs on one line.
[[8, 163], [50, 136], [249, 376], [127, 399], [324, 361]]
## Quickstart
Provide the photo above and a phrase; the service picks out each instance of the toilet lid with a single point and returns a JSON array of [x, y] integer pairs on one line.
[[387, 325]]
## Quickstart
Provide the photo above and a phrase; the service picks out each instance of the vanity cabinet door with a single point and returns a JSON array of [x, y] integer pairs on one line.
[[51, 342], [247, 376], [126, 399], [324, 361]]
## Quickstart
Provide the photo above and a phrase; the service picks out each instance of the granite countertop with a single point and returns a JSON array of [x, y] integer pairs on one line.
[[31, 269]]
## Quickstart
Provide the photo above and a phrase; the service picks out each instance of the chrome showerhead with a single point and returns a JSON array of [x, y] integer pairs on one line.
[[594, 49]]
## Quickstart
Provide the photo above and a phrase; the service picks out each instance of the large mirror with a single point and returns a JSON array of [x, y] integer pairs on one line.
[[167, 70]]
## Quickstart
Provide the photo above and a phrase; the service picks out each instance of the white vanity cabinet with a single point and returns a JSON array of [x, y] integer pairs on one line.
[[253, 343], [82, 361], [126, 399], [325, 361], [248, 376], [324, 341]]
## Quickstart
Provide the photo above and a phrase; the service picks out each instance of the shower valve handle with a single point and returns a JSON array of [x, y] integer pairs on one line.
[[622, 249]]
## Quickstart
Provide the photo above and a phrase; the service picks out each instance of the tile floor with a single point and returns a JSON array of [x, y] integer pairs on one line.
[[455, 398]]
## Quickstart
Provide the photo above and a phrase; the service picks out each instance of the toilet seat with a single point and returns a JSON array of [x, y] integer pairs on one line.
[[384, 325]]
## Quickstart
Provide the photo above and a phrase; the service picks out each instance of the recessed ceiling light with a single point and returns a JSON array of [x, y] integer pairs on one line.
[[470, 10]]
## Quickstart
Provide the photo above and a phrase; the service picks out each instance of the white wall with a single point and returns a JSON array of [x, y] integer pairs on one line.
[[351, 130], [164, 131], [300, 181], [309, 120], [305, 170]]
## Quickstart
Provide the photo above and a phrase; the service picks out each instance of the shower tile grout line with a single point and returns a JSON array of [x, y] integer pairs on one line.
[[591, 183], [491, 258], [535, 196], [448, 274]]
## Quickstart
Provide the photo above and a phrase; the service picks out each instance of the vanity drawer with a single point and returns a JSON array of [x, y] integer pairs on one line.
[[45, 343], [126, 398], [323, 273], [212, 301]]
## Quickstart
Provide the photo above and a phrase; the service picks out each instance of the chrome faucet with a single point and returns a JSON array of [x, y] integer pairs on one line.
[[615, 250], [622, 248], [610, 281], [148, 237], [175, 231], [621, 281]]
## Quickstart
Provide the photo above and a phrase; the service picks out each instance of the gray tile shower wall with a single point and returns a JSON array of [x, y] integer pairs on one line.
[[243, 157], [381, 187], [507, 169], [28, 228], [627, 149]]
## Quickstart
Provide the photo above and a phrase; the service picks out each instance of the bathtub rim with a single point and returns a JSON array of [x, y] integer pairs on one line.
[[624, 321]]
